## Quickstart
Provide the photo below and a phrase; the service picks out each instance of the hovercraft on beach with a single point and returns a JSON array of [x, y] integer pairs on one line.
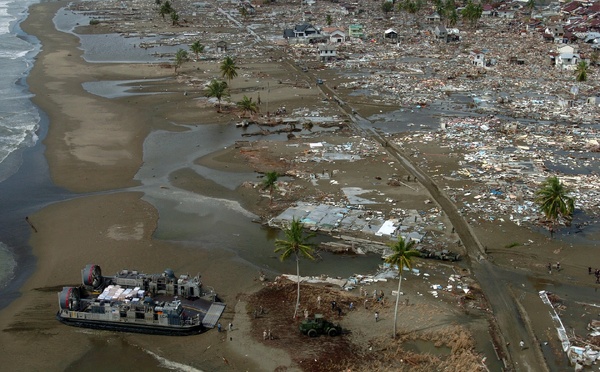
[[144, 303]]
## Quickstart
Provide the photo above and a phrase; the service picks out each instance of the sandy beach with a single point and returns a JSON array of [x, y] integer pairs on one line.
[[95, 148]]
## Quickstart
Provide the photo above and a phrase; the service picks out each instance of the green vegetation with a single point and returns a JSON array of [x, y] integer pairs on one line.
[[296, 244], [228, 69], [174, 18], [402, 254], [94, 22], [512, 245], [270, 183], [247, 105], [197, 48], [554, 201], [308, 125], [217, 89], [472, 13], [165, 9], [581, 71], [180, 57], [387, 6]]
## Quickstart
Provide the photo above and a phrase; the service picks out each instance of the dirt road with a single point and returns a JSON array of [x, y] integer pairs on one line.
[[511, 324]]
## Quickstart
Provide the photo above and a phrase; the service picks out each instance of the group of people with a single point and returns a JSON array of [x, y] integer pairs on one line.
[[378, 296], [596, 273], [550, 267], [267, 335]]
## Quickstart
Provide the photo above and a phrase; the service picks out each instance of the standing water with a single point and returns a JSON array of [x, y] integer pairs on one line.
[[19, 118]]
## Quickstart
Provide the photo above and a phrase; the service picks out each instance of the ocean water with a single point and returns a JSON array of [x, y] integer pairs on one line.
[[19, 118]]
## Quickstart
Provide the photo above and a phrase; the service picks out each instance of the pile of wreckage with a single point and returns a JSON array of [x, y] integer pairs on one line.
[[510, 160], [581, 353], [347, 219]]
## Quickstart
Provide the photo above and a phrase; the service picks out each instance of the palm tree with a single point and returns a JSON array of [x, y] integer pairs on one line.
[[243, 12], [446, 8], [228, 69], [174, 18], [402, 257], [180, 57], [165, 9], [270, 182], [581, 71], [247, 105], [554, 201], [296, 243], [328, 19], [308, 125], [387, 6], [530, 5], [197, 48], [453, 18], [217, 89], [472, 12]]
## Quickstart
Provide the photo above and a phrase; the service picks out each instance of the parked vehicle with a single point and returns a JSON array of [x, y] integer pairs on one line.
[[319, 326]]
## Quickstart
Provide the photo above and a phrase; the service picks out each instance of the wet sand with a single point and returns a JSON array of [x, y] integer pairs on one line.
[[94, 144]]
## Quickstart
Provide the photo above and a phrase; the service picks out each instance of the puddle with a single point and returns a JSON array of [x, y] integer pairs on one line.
[[426, 347]]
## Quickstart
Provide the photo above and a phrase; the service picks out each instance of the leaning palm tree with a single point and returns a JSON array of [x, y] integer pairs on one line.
[[180, 57], [402, 254], [270, 183], [197, 48], [581, 71], [247, 105], [296, 244], [228, 69], [217, 89], [554, 201]]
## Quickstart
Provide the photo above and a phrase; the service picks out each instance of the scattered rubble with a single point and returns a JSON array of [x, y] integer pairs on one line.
[[508, 160]]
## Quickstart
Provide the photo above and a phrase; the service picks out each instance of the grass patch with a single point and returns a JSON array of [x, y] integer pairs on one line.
[[511, 245]]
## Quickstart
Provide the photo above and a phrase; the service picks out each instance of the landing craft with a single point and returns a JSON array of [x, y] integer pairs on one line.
[[135, 302]]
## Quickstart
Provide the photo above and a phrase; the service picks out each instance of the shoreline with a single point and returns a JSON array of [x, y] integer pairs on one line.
[[57, 247]]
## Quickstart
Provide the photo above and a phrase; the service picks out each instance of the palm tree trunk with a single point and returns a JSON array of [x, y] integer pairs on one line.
[[397, 300], [298, 291]]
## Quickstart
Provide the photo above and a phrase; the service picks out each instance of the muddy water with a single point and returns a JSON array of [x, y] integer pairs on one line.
[[211, 223], [426, 347]]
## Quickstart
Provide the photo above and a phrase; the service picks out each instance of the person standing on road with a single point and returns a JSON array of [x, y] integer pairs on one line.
[[376, 316], [522, 344], [549, 268]]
